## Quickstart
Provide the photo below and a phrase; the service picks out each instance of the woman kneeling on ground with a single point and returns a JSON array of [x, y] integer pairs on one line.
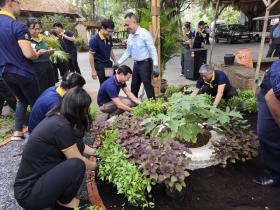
[[52, 167]]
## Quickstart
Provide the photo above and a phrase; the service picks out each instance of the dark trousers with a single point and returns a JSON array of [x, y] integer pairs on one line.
[[269, 136], [100, 70], [142, 72], [45, 74], [182, 63], [6, 95], [273, 49], [61, 183], [63, 67], [73, 63], [26, 91]]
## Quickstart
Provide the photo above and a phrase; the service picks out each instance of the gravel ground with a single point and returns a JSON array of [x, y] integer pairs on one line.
[[10, 156], [9, 161]]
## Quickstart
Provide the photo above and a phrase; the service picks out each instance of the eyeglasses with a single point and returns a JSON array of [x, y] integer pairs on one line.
[[16, 1]]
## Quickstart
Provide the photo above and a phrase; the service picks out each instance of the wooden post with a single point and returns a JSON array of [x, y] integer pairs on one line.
[[269, 4], [155, 30], [214, 31]]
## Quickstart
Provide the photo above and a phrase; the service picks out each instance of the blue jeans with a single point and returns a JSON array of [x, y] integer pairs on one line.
[[26, 91], [269, 136]]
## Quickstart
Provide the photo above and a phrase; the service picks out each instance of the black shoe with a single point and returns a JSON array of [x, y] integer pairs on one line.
[[267, 181]]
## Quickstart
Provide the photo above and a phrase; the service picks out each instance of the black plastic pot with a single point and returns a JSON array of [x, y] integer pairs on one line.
[[229, 59]]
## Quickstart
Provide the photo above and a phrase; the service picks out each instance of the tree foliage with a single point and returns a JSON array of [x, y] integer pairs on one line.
[[48, 21]]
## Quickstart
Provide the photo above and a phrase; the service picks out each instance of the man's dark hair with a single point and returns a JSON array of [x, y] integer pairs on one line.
[[58, 24], [107, 23], [201, 23], [32, 22], [131, 15], [124, 69], [74, 106], [3, 3], [72, 79], [187, 25]]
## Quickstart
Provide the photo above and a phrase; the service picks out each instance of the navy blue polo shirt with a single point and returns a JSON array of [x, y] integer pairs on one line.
[[12, 59], [47, 100], [275, 78], [101, 47], [198, 40], [67, 45], [188, 36], [108, 90], [219, 78]]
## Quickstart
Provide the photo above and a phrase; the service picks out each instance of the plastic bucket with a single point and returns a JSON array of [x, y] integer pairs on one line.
[[229, 59]]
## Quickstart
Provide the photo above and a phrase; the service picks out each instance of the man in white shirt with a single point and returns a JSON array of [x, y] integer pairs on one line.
[[140, 46]]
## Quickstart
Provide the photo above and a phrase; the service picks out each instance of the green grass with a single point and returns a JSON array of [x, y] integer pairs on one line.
[[6, 125]]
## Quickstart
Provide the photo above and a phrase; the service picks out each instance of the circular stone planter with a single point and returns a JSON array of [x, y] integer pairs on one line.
[[203, 157]]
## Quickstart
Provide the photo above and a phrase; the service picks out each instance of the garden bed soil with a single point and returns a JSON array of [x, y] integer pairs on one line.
[[213, 188], [202, 139]]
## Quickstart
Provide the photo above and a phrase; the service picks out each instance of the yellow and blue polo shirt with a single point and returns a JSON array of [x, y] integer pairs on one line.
[[12, 59], [218, 78], [101, 47]]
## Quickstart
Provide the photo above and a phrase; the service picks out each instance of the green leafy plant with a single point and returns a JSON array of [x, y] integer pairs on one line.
[[93, 111], [81, 44], [244, 101], [126, 176], [163, 162], [242, 145], [172, 89], [169, 34], [181, 121], [59, 55], [149, 107], [52, 43], [48, 21], [6, 126]]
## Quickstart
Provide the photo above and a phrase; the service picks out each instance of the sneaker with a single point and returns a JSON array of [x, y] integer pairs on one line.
[[181, 75]]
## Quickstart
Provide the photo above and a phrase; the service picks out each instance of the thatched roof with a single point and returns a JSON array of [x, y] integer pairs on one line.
[[48, 6], [254, 7]]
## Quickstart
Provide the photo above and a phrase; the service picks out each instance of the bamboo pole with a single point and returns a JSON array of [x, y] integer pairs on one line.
[[260, 57], [155, 30], [214, 32]]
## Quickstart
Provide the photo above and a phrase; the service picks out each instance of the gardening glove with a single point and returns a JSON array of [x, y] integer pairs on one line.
[[156, 71], [115, 66]]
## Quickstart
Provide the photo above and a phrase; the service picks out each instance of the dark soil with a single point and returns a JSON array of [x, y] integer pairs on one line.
[[212, 188], [202, 139]]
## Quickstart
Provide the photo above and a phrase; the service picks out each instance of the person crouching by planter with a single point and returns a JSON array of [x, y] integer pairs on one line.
[[42, 64], [268, 128], [51, 97], [215, 83], [100, 51], [52, 167], [108, 97]]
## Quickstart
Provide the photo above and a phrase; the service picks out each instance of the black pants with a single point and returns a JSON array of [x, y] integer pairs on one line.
[[61, 183], [26, 91], [73, 63], [6, 95], [271, 50], [142, 72], [100, 70], [63, 67], [45, 74]]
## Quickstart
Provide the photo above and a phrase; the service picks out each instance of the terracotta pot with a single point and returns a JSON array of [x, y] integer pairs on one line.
[[93, 193]]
